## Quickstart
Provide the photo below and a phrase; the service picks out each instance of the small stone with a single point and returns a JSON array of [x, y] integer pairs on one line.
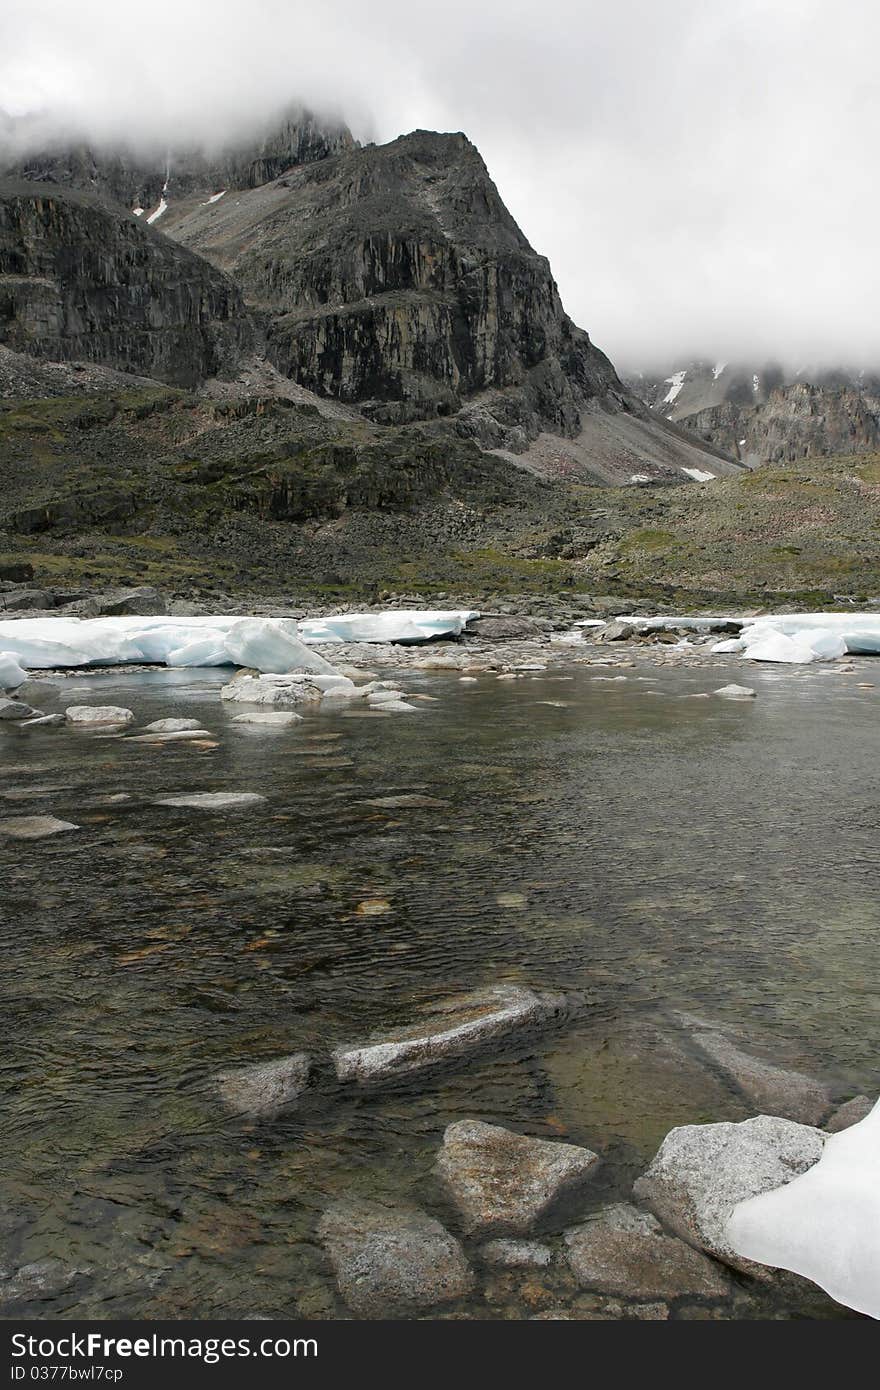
[[85, 716], [34, 827], [624, 1251], [503, 1183], [392, 1260], [736, 692], [45, 721], [373, 907], [265, 1087], [511, 899]]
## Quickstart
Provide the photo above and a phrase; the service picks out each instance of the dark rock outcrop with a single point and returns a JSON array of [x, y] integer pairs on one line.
[[80, 281], [397, 278]]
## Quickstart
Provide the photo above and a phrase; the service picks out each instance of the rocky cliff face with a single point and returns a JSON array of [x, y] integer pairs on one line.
[[397, 279], [389, 278], [767, 413], [81, 282], [795, 422]]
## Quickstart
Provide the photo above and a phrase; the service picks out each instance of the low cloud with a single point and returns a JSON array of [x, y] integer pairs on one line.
[[701, 176]]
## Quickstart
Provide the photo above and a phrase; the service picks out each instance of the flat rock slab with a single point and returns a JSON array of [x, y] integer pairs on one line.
[[171, 736], [774, 1090], [502, 1183], [701, 1172], [448, 1029], [736, 692], [264, 1088], [624, 1251], [34, 827], [44, 721], [15, 709], [213, 801], [275, 718], [171, 726], [84, 716], [392, 1260]]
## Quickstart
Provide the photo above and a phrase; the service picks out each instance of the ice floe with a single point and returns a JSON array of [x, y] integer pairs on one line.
[[824, 1224], [266, 644], [396, 626], [798, 638]]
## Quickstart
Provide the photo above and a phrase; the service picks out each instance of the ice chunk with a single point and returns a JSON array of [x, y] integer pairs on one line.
[[272, 644], [396, 626], [12, 674], [824, 1224]]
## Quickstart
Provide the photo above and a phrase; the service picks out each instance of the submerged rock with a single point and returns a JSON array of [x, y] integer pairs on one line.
[[16, 709], [85, 716], [392, 1260], [213, 801], [774, 1090], [447, 1029], [624, 1251], [171, 736], [503, 1183], [701, 1172], [850, 1113], [516, 1254], [171, 726], [34, 827], [736, 692], [264, 1088], [277, 718]]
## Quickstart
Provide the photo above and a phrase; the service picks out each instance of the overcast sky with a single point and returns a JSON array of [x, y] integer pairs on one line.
[[701, 173]]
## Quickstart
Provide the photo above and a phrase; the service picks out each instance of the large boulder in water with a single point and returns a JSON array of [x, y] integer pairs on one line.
[[449, 1029], [621, 1250], [502, 1183], [701, 1172]]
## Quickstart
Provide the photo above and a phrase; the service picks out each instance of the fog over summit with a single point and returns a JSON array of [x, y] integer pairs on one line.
[[700, 176]]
